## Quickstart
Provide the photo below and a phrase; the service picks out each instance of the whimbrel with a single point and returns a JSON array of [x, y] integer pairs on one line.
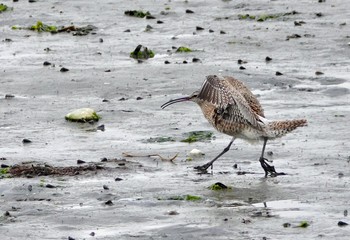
[[232, 109]]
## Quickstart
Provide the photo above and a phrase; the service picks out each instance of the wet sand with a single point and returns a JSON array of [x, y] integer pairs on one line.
[[135, 197]]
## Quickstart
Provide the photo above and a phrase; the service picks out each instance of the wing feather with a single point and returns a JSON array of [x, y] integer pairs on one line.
[[229, 100]]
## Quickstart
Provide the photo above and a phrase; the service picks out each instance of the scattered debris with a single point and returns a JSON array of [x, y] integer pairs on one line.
[[218, 186], [82, 115], [195, 153], [137, 13], [160, 139], [31, 170], [196, 136], [142, 52], [264, 17], [183, 49], [41, 27], [152, 155]]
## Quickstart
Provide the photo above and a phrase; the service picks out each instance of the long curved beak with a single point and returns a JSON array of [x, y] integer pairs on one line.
[[177, 100]]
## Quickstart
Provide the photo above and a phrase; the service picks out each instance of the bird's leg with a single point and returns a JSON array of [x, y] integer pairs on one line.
[[204, 167], [267, 167]]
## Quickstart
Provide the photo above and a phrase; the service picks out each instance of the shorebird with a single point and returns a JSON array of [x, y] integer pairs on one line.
[[233, 109]]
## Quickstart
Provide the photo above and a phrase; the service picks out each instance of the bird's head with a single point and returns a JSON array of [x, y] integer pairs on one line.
[[192, 97]]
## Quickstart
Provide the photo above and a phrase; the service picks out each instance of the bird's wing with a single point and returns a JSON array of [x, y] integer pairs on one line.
[[247, 94], [229, 102]]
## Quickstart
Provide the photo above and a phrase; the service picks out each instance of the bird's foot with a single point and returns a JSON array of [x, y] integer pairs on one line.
[[269, 169], [204, 168]]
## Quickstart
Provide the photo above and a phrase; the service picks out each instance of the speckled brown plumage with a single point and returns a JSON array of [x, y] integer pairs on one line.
[[234, 110]]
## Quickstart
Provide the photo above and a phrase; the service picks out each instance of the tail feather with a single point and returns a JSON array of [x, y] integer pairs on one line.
[[277, 129]]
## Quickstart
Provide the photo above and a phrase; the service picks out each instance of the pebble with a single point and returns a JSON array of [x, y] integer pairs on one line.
[[268, 59], [63, 69], [105, 187], [342, 224], [198, 28], [109, 203], [50, 186], [242, 68], [189, 11], [278, 73], [80, 161], [118, 179], [25, 140], [8, 96], [46, 63]]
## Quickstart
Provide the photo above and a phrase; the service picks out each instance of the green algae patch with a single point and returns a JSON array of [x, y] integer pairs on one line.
[[3, 8], [160, 139], [182, 198], [142, 52], [4, 172], [41, 27], [183, 49], [137, 13], [219, 187], [264, 17], [83, 115], [303, 224], [192, 198], [197, 136]]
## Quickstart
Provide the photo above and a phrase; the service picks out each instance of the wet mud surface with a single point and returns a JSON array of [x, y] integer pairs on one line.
[[63, 180]]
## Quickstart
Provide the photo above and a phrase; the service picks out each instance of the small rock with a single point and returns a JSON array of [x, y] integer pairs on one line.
[[82, 115], [32, 1], [195, 60], [80, 161], [268, 59], [139, 98], [9, 96], [101, 40], [122, 99], [2, 158], [4, 166], [345, 213], [25, 140], [172, 213], [279, 73], [184, 62], [319, 73], [7, 214], [160, 22], [108, 70], [222, 32], [127, 30], [286, 225], [46, 63], [225, 219], [166, 62], [63, 69], [198, 28], [342, 224], [211, 31], [109, 203], [240, 61], [30, 188], [319, 14], [105, 187], [118, 179], [235, 166], [150, 17], [195, 153], [105, 100], [101, 128], [242, 68], [71, 238], [104, 159], [92, 234], [50, 186], [189, 11]]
